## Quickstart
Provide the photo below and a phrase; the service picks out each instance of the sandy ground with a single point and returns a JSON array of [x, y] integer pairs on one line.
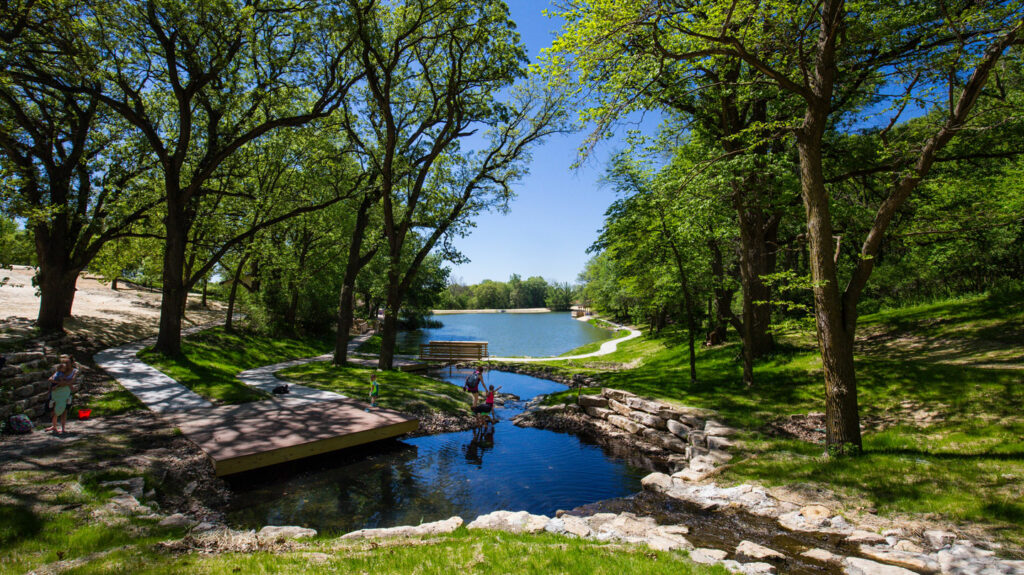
[[112, 317]]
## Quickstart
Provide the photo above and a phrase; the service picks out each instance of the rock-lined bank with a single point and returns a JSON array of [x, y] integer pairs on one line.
[[689, 439]]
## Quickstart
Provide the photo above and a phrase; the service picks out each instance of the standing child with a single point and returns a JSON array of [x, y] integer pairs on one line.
[[61, 387], [374, 390]]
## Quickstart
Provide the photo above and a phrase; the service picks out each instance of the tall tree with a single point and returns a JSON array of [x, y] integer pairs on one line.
[[433, 70], [836, 57], [199, 81]]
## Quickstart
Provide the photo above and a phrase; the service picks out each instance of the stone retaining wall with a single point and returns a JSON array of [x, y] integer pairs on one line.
[[695, 443], [24, 381]]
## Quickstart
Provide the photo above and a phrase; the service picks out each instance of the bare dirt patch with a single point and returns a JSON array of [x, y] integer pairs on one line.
[[111, 317]]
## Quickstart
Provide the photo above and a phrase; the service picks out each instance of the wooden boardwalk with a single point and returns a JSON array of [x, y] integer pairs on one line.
[[249, 436]]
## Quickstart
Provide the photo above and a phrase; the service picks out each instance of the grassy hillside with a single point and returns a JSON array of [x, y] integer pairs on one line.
[[940, 386]]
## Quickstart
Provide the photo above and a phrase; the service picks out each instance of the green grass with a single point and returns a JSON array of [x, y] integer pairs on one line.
[[941, 436], [211, 359], [398, 390], [594, 346], [459, 552]]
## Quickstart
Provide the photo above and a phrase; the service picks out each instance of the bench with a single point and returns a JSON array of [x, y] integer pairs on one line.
[[453, 351]]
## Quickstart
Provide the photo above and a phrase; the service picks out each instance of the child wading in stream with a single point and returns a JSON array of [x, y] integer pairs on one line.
[[485, 410]]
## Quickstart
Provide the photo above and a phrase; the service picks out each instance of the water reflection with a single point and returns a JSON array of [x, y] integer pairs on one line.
[[465, 473]]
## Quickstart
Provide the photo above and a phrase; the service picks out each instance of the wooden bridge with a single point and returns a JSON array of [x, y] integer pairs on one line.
[[453, 351]]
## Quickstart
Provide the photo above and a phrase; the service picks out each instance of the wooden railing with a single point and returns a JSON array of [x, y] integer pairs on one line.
[[452, 351]]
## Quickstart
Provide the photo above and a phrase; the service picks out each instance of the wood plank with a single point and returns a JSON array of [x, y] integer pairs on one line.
[[243, 437]]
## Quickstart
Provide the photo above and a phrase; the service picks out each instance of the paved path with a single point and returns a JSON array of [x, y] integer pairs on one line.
[[264, 378], [162, 394], [157, 391], [606, 348]]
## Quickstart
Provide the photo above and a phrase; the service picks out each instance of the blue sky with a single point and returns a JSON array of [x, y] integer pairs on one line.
[[558, 210]]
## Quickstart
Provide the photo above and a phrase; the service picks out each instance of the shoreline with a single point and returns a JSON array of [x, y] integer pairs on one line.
[[495, 310]]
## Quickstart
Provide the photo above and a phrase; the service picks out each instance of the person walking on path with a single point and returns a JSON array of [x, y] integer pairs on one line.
[[61, 387]]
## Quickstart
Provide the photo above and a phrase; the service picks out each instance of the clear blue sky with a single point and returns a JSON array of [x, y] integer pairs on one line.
[[558, 210]]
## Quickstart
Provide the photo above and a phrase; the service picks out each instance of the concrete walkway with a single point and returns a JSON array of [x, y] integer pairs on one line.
[[606, 348], [264, 378], [162, 394], [156, 390]]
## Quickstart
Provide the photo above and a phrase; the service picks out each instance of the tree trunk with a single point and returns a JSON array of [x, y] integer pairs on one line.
[[389, 334], [56, 290], [206, 283], [691, 328], [355, 263], [722, 297], [174, 294], [292, 311], [229, 320], [757, 258], [842, 417]]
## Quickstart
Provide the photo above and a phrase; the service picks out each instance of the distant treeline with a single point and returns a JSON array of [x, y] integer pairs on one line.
[[516, 293]]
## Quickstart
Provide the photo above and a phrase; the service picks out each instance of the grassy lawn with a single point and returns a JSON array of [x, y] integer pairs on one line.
[[594, 346], [942, 435], [211, 359], [398, 390], [460, 552]]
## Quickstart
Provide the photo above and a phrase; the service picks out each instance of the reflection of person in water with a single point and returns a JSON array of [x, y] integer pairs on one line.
[[483, 439]]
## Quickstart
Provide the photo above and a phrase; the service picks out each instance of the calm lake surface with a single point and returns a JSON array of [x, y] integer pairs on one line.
[[509, 334], [435, 477]]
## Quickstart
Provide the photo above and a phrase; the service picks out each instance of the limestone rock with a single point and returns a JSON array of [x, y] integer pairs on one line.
[[511, 521], [668, 413], [907, 546], [938, 539], [127, 503], [706, 556], [651, 407], [619, 407], [677, 429], [624, 423], [861, 536], [177, 520], [282, 532], [665, 440], [593, 401], [823, 556], [691, 476], [815, 514], [433, 528], [748, 551], [858, 566], [702, 464], [658, 482], [598, 412], [697, 438], [616, 394], [719, 443], [648, 420], [577, 526], [916, 561], [757, 568], [132, 486]]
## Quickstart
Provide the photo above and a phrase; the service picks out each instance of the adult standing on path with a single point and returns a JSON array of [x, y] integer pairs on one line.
[[61, 386]]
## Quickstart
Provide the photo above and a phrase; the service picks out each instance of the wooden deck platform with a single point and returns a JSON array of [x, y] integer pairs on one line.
[[249, 436]]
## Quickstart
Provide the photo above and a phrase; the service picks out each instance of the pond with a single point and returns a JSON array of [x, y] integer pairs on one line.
[[435, 477], [509, 334]]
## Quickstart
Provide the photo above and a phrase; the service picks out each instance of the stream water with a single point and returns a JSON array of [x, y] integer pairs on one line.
[[434, 477]]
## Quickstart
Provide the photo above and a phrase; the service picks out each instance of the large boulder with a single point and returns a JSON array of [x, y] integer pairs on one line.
[[648, 406], [678, 429], [625, 424], [748, 551], [511, 521], [858, 566], [598, 412], [593, 401], [648, 420], [616, 394], [619, 407]]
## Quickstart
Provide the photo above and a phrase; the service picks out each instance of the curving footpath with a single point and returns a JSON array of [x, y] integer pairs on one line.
[[162, 394]]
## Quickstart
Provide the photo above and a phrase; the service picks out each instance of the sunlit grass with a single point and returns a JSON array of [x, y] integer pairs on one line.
[[211, 359], [398, 390], [461, 552]]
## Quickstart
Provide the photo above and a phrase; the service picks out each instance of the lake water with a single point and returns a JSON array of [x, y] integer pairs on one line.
[[509, 334], [435, 477]]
